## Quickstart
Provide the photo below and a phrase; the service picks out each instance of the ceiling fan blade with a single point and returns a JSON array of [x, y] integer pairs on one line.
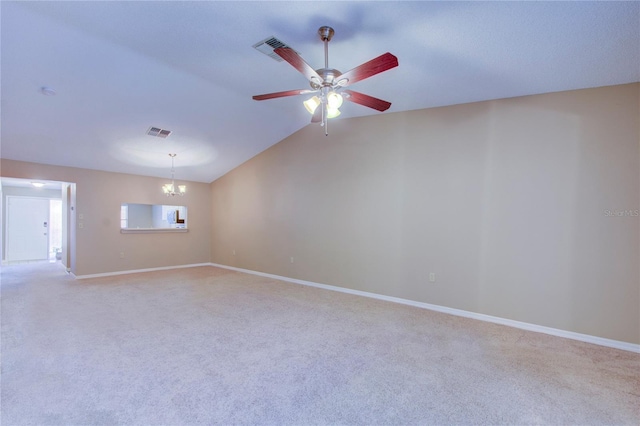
[[375, 66], [317, 115], [366, 100], [282, 94], [298, 63]]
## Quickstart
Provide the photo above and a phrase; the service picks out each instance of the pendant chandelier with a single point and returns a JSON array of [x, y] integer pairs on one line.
[[169, 189]]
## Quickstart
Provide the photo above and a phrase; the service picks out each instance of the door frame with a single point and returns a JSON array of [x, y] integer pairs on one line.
[[68, 196]]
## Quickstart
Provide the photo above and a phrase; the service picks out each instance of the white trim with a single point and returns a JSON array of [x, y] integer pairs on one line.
[[617, 344], [136, 271], [151, 230]]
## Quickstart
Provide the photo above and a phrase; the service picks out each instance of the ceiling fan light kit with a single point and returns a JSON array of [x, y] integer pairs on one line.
[[327, 84]]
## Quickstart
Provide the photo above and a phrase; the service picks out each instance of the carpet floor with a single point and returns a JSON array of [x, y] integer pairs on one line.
[[210, 346]]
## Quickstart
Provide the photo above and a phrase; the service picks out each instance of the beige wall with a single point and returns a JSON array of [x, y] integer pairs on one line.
[[504, 200], [98, 198]]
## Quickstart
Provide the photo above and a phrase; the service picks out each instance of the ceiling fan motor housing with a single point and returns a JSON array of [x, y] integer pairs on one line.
[[329, 78]]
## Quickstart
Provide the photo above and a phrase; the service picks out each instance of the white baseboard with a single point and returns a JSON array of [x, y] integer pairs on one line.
[[136, 271], [617, 344]]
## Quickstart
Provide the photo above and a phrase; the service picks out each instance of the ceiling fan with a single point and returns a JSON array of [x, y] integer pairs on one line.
[[328, 84]]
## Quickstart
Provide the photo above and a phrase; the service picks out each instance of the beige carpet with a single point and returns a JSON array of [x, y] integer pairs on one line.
[[210, 346]]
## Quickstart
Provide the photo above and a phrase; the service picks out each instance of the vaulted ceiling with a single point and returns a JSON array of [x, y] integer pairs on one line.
[[119, 68]]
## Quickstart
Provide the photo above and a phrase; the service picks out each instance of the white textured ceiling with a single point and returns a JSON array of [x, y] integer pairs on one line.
[[120, 67]]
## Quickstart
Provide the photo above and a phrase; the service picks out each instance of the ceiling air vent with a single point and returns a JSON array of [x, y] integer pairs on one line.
[[268, 45], [161, 133]]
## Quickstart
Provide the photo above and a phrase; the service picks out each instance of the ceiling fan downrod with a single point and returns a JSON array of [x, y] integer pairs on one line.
[[325, 33]]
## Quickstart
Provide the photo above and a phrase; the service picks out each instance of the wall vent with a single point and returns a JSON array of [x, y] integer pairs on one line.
[[156, 131], [268, 45]]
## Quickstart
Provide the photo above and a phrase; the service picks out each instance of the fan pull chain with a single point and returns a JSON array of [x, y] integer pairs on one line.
[[326, 121]]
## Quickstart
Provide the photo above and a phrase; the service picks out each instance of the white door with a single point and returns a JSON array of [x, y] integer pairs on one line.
[[27, 228]]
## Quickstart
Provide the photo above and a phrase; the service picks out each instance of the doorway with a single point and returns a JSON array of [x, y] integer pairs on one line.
[[37, 222]]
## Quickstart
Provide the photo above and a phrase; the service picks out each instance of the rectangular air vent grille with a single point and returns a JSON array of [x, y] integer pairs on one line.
[[268, 45], [156, 131]]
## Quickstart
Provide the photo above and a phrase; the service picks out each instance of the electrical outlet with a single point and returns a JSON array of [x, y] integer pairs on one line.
[[234, 252], [291, 259], [432, 277], [121, 255]]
